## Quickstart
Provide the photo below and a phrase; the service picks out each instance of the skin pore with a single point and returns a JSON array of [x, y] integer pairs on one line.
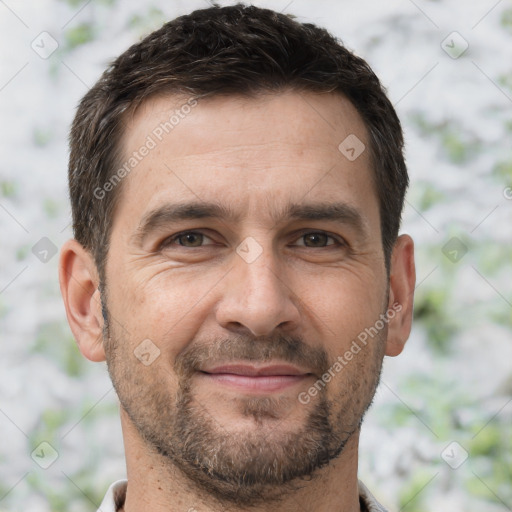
[[243, 237]]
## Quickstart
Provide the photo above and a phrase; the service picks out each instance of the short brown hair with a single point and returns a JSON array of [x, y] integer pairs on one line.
[[234, 50]]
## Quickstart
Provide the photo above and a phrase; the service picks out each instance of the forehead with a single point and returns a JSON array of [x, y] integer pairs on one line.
[[290, 116], [249, 152]]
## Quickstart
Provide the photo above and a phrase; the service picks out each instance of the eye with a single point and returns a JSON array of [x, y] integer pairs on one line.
[[192, 239], [318, 239], [186, 239]]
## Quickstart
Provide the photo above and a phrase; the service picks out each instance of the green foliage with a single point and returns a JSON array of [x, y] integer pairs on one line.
[[427, 403], [419, 120], [74, 3], [501, 316], [55, 342], [431, 309], [430, 196], [41, 137], [56, 500], [4, 491], [54, 67], [458, 150], [488, 490], [506, 20], [79, 35], [48, 426], [492, 257], [83, 489], [503, 171], [397, 415], [148, 21], [51, 208], [506, 80], [458, 146], [490, 448], [413, 493], [487, 442], [4, 308], [54, 419], [22, 252], [8, 188], [81, 3]]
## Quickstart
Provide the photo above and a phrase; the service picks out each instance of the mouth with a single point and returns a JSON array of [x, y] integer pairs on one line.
[[250, 378]]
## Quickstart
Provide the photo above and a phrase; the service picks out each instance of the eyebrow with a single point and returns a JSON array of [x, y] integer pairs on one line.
[[171, 213]]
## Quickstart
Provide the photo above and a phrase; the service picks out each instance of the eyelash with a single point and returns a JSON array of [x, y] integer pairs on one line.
[[169, 240]]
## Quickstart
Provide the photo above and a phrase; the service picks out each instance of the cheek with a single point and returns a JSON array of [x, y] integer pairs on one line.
[[345, 303], [167, 308]]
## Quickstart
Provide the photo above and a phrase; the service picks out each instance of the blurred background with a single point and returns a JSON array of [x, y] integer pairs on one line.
[[439, 435]]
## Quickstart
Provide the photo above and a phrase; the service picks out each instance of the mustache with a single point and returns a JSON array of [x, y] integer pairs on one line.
[[292, 350]]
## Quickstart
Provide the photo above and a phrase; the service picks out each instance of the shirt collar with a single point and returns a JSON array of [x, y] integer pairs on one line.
[[114, 499]]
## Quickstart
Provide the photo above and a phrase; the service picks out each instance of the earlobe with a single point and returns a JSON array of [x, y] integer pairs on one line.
[[79, 288], [402, 281]]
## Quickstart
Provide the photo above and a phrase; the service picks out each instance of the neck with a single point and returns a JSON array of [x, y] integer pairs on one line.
[[155, 484]]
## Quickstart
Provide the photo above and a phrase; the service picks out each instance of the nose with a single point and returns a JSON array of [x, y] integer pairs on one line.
[[258, 297]]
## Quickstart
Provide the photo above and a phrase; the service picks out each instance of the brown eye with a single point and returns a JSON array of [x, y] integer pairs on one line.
[[188, 239], [317, 239]]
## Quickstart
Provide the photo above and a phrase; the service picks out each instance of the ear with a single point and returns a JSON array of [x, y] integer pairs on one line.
[[79, 284], [402, 280]]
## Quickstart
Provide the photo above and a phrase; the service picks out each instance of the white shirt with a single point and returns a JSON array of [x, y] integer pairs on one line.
[[116, 495]]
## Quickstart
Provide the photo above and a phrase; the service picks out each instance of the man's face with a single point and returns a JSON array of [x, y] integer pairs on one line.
[[282, 279]]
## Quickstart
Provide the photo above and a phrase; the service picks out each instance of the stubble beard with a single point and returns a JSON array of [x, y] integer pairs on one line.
[[261, 465]]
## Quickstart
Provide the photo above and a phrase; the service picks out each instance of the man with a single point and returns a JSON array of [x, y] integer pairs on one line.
[[237, 181]]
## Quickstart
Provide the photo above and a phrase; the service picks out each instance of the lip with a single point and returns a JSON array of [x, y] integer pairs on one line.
[[250, 370], [248, 378]]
